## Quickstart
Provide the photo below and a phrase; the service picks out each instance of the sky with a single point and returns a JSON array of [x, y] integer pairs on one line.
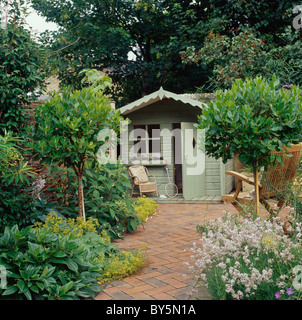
[[38, 23]]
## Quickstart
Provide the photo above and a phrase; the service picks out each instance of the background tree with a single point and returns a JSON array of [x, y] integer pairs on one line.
[[20, 68], [266, 19], [233, 58], [102, 35]]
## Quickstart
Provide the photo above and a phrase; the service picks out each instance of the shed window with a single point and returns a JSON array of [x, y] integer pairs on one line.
[[147, 139]]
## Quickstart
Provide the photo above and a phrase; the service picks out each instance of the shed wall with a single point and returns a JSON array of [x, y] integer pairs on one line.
[[165, 113]]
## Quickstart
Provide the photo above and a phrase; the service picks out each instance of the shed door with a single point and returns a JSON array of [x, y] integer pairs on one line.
[[193, 167]]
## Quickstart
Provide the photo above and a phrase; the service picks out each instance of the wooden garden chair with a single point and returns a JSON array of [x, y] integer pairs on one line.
[[272, 183], [140, 176]]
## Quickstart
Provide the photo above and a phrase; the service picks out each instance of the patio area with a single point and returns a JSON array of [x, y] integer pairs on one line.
[[168, 237]]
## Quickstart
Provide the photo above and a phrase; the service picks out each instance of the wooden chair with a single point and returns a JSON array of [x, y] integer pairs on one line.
[[272, 183], [140, 176]]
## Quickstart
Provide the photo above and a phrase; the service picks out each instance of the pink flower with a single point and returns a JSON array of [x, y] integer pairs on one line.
[[278, 295], [287, 86], [289, 291]]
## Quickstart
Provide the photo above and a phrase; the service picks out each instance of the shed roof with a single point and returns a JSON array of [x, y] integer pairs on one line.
[[156, 96]]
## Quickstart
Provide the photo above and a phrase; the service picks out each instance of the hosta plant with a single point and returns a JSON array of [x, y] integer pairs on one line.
[[42, 265]]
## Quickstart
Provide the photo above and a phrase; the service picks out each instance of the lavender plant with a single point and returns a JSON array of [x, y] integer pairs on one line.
[[248, 259]]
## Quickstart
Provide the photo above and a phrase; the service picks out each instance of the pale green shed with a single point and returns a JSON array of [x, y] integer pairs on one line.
[[161, 134]]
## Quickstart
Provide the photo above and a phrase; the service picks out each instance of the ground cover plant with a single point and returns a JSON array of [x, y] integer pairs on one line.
[[246, 259], [42, 265], [145, 207], [62, 259]]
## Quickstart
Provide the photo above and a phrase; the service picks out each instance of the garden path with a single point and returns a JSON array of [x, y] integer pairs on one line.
[[168, 236]]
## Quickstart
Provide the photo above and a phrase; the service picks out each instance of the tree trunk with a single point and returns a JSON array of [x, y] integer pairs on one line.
[[256, 185], [80, 196]]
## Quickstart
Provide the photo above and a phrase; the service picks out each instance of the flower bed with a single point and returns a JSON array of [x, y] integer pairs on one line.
[[248, 259]]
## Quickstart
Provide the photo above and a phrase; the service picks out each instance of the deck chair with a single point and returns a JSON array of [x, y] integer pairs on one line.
[[140, 176], [273, 182]]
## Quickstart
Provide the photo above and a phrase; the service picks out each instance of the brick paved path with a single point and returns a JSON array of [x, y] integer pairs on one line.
[[168, 236]]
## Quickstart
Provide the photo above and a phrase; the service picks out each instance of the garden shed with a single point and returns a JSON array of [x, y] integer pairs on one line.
[[161, 135]]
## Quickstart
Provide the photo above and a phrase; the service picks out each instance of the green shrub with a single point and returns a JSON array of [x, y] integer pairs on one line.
[[42, 265], [106, 193], [18, 204], [69, 126]]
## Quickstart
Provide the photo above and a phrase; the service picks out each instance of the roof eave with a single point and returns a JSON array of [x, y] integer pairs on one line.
[[155, 97]]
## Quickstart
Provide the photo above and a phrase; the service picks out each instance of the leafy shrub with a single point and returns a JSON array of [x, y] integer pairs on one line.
[[18, 205], [85, 231], [43, 265], [246, 259], [67, 129], [106, 193], [253, 118]]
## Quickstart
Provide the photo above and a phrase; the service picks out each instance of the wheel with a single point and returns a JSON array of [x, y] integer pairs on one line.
[[171, 190]]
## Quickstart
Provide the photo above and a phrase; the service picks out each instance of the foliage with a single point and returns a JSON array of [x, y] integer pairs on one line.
[[43, 265], [13, 168], [57, 223], [233, 58], [144, 207], [246, 259], [20, 69], [266, 18], [18, 204], [62, 259], [285, 59], [107, 199], [252, 118], [116, 264], [86, 231], [122, 265], [151, 32], [66, 130]]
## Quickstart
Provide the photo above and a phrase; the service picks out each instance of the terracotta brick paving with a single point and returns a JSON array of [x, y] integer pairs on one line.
[[168, 237]]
